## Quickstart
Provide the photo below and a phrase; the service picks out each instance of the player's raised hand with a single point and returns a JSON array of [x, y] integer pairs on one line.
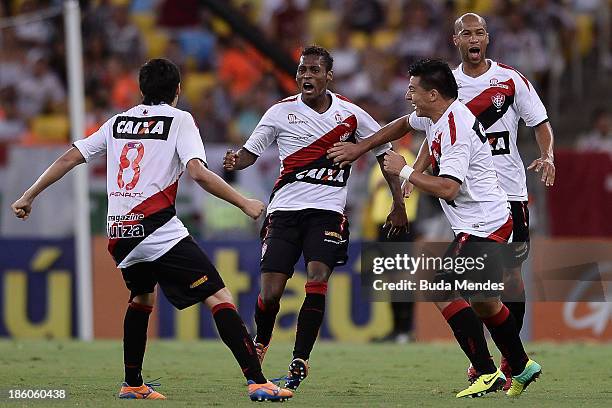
[[344, 153], [22, 208], [229, 161], [393, 162], [547, 166], [253, 208], [407, 188]]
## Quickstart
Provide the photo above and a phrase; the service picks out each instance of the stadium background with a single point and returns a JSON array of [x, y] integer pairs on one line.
[[234, 57]]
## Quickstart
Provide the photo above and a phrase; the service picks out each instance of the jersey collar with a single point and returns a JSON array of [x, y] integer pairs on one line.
[[332, 106], [488, 72]]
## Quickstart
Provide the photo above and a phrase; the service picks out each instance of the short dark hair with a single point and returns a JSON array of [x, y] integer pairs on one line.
[[321, 52], [435, 74], [159, 78]]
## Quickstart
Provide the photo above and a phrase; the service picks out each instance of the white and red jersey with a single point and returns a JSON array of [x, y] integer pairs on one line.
[[308, 179], [499, 98], [459, 151], [147, 149]]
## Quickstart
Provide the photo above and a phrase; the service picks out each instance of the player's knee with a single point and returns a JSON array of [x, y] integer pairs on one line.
[[221, 296], [318, 272], [270, 297], [487, 308], [146, 299]]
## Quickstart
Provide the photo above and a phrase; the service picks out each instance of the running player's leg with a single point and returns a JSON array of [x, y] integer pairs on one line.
[[267, 307], [281, 247], [326, 237], [141, 283], [187, 277], [518, 251]]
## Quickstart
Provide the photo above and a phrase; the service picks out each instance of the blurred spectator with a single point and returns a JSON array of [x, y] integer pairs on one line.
[[34, 33], [599, 138], [40, 91], [240, 66], [419, 37], [363, 15], [125, 92], [521, 47], [11, 126], [124, 37], [211, 120]]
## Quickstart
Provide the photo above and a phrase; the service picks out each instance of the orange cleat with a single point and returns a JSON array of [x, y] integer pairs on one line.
[[268, 392], [145, 391]]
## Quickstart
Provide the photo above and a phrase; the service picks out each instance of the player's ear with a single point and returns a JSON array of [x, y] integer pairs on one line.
[[330, 75], [456, 40]]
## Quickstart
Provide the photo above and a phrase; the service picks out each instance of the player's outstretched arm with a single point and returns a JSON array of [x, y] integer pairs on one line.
[[441, 187], [216, 186], [238, 160], [66, 162], [345, 153], [546, 162]]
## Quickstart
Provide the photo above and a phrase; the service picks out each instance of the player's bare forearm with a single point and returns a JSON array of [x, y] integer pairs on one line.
[[56, 171], [216, 186], [545, 139], [546, 162], [344, 153], [394, 183], [388, 133], [441, 187], [66, 162]]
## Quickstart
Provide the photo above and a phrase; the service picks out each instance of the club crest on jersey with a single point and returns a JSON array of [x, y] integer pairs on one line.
[[294, 120], [154, 127], [338, 118], [498, 100]]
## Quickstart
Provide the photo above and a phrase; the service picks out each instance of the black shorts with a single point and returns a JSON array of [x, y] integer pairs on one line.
[[322, 235], [518, 248], [184, 273], [483, 251]]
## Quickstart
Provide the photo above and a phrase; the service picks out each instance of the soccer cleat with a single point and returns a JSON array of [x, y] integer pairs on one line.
[[504, 366], [484, 384], [298, 371], [268, 392], [261, 351], [145, 391], [520, 382]]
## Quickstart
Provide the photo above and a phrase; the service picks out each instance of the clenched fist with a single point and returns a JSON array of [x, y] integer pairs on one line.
[[229, 161], [253, 208], [394, 163]]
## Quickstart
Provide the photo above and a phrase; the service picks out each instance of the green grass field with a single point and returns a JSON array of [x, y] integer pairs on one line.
[[356, 375]]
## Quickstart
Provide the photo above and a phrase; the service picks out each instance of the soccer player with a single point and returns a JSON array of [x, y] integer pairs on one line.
[[464, 178], [306, 210], [147, 149], [499, 96]]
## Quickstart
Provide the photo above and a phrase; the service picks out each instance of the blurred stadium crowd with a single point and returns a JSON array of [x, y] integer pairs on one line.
[[562, 46]]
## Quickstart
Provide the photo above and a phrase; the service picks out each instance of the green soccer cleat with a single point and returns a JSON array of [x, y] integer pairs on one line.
[[520, 382], [484, 384]]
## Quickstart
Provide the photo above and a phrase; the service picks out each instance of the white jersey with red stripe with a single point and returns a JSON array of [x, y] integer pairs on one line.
[[147, 149], [459, 151], [499, 98], [308, 179]]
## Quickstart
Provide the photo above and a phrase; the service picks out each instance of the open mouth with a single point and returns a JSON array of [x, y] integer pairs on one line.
[[474, 52], [307, 87]]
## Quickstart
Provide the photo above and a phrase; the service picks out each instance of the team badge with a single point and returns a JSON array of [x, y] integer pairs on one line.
[[498, 100]]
